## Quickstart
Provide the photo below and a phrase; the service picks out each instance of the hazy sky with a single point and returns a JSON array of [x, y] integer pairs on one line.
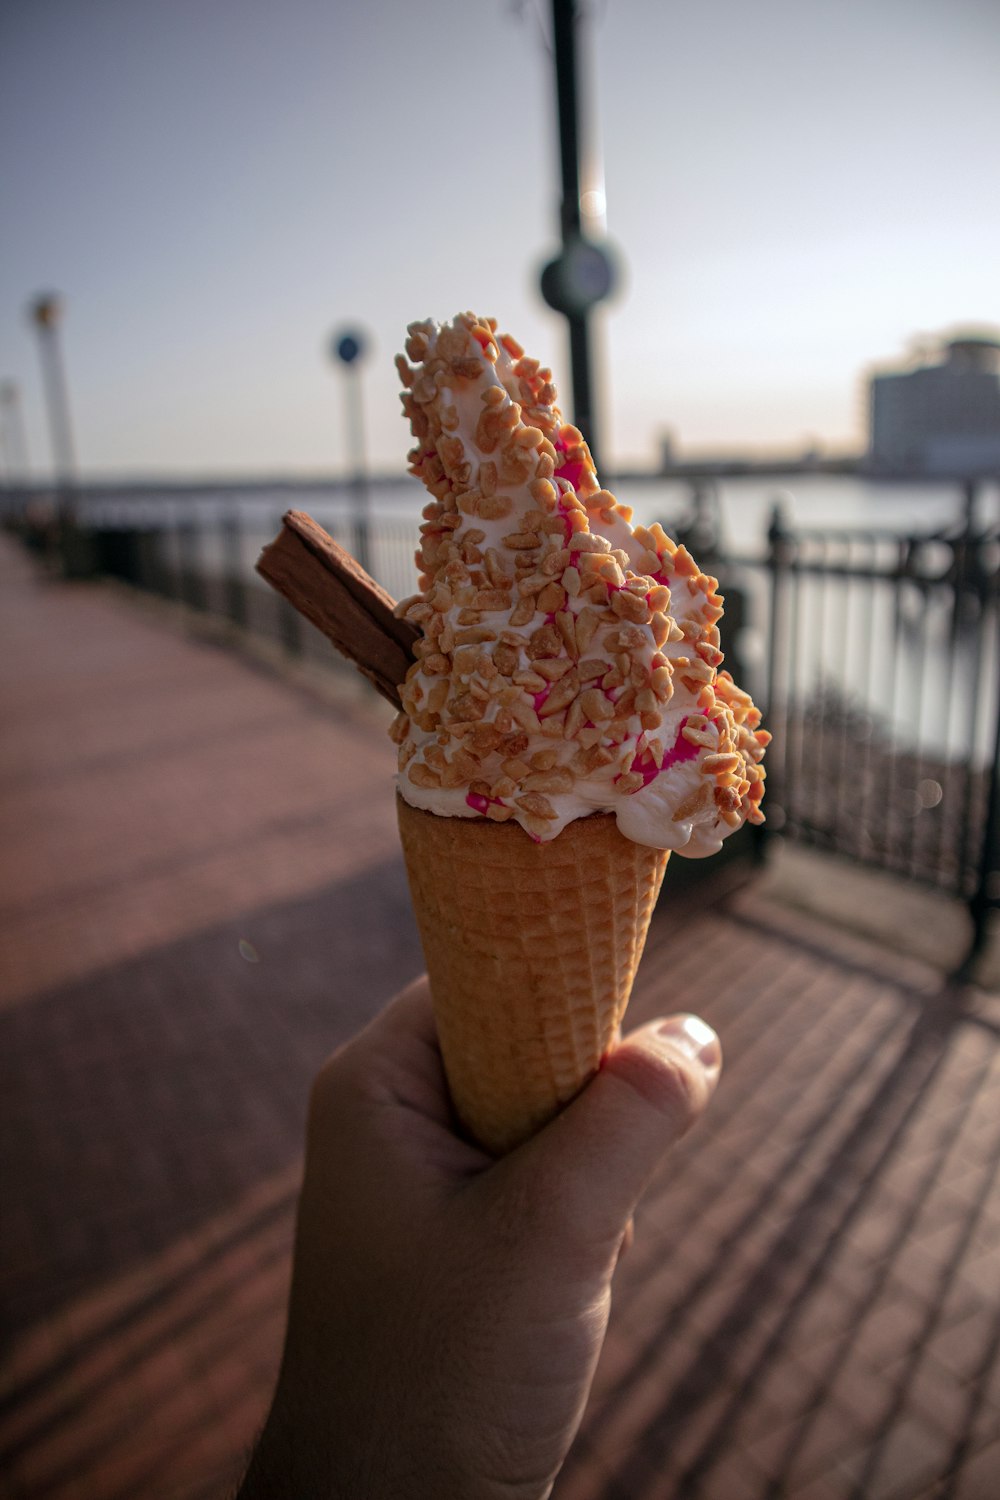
[[797, 187]]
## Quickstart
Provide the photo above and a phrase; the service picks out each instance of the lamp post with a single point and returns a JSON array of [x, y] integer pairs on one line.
[[348, 347], [46, 314], [75, 549], [583, 273]]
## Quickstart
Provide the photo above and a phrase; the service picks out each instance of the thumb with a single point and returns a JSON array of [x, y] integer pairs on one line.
[[594, 1160]]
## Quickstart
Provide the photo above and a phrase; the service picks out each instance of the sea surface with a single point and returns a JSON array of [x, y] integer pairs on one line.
[[898, 657], [737, 509]]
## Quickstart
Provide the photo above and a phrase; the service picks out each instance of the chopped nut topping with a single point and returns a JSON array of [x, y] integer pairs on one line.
[[626, 705], [536, 803], [630, 606], [717, 763], [474, 635], [591, 668], [552, 669], [468, 706], [437, 695], [560, 696], [551, 598], [423, 775], [554, 562], [586, 625], [554, 783], [491, 599], [525, 715], [574, 680], [545, 641], [494, 507], [693, 804], [505, 659], [596, 706], [519, 541], [399, 729], [566, 623], [630, 781]]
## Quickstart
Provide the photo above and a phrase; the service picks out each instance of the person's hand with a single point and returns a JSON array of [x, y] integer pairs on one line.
[[447, 1309]]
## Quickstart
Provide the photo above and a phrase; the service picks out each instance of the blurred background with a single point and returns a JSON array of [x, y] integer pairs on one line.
[[796, 193], [758, 246]]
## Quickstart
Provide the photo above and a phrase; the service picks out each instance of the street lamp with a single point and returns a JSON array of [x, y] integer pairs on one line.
[[583, 273], [348, 348], [45, 312]]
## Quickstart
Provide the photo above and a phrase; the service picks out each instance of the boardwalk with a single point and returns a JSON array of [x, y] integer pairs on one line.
[[201, 894]]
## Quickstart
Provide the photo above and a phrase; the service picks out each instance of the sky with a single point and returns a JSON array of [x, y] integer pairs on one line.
[[796, 189]]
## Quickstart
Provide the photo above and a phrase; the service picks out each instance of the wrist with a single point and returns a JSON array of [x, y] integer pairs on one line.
[[299, 1457]]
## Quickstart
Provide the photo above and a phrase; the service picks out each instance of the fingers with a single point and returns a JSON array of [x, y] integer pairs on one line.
[[408, 1013], [397, 1047], [595, 1159]]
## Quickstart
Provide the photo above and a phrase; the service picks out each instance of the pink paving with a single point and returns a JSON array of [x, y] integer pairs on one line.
[[201, 894]]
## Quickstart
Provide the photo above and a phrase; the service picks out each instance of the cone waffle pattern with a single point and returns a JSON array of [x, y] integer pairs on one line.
[[531, 951]]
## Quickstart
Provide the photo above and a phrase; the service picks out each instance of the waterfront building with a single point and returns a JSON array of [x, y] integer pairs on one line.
[[941, 416]]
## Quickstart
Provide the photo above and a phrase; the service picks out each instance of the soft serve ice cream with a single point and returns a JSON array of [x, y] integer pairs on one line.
[[568, 664]]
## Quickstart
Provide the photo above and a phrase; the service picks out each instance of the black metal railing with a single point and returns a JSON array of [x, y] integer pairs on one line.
[[877, 654], [883, 695]]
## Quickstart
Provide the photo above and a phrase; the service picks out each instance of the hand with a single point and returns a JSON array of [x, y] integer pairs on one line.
[[447, 1309]]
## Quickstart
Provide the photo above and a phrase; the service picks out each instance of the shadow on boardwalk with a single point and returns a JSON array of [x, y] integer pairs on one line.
[[202, 896]]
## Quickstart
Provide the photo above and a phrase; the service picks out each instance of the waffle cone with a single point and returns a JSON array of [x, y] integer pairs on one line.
[[531, 951]]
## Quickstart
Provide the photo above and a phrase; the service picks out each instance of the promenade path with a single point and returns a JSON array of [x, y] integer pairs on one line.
[[201, 894]]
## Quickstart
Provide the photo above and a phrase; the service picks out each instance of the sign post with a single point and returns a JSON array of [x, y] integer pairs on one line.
[[583, 273], [349, 347]]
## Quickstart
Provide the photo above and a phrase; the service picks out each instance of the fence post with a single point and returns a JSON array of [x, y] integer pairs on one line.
[[781, 550], [986, 895], [192, 590], [236, 603]]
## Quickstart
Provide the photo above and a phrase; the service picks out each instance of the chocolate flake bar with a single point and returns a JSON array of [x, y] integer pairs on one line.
[[333, 591]]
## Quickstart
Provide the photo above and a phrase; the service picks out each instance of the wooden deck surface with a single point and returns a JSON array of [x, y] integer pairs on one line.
[[201, 894]]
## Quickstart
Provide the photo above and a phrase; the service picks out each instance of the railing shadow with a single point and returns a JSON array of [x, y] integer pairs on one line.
[[737, 1341], [177, 1307], [143, 1097]]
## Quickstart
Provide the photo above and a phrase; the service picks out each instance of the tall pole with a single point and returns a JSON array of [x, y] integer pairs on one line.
[[583, 273], [349, 349], [46, 313], [564, 24]]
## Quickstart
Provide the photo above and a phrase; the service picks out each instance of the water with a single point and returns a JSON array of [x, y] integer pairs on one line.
[[810, 501], [890, 653], [740, 507]]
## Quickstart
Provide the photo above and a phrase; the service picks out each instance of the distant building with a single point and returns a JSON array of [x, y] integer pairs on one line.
[[942, 417]]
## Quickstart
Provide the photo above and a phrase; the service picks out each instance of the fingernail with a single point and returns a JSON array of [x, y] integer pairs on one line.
[[694, 1038]]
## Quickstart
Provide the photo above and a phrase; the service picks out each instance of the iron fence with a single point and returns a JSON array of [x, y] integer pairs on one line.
[[875, 654], [881, 685]]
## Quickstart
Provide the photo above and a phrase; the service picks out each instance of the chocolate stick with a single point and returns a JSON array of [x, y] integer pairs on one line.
[[334, 592]]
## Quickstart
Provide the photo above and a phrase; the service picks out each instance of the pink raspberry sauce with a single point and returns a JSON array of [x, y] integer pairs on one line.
[[572, 471], [681, 750], [480, 803]]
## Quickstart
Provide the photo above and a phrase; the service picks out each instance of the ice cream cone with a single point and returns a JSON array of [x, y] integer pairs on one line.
[[531, 950]]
